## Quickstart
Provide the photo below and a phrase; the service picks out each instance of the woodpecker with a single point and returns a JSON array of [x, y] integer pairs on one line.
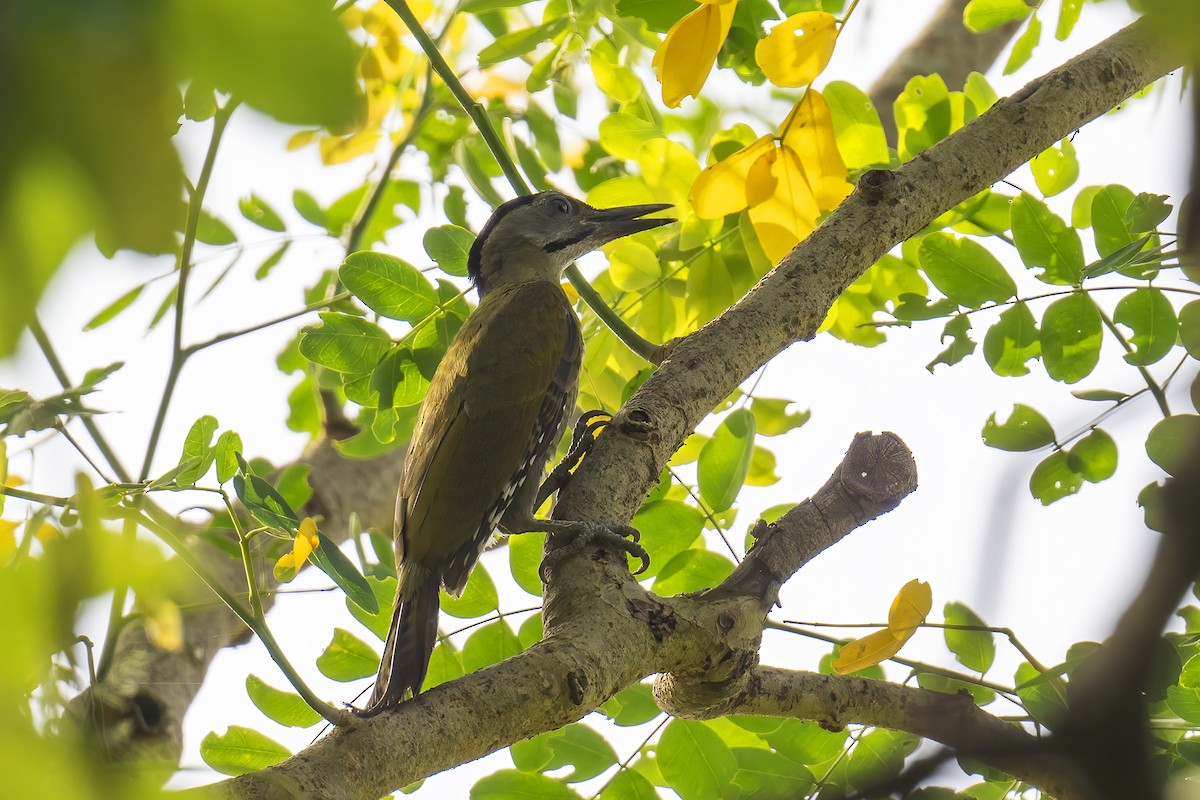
[[495, 410]]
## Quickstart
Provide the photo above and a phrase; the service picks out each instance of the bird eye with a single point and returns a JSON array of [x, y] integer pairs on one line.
[[561, 205]]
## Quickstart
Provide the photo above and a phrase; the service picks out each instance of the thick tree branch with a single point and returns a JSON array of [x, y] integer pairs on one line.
[[835, 701]]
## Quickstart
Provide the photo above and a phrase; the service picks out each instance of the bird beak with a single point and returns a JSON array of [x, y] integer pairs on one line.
[[613, 223]]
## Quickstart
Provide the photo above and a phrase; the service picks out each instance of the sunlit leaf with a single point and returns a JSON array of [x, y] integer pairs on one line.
[[241, 750], [797, 50], [1071, 335], [1025, 429], [1054, 478], [725, 460], [347, 658], [285, 708], [684, 59], [974, 649]]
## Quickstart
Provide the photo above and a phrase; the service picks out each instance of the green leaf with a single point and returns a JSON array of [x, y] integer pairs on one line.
[[1025, 429], [691, 571], [518, 43], [634, 267], [632, 706], [764, 773], [199, 101], [576, 745], [923, 114], [1044, 241], [725, 460], [524, 560], [449, 246], [228, 443], [347, 658], [629, 784], [964, 270], [1118, 259], [1173, 441], [1094, 456], [307, 207], [509, 784], [1024, 46], [668, 528], [879, 756], [1055, 169], [334, 563], [445, 664], [694, 760], [1068, 15], [211, 230], [344, 343], [1147, 212], [940, 683], [1071, 335], [975, 650], [389, 286], [1053, 478], [478, 598], [302, 72], [958, 329], [860, 137], [197, 445], [1151, 317], [983, 15], [659, 15], [771, 417], [489, 644], [240, 750], [255, 209], [1184, 702], [266, 504], [1189, 328], [378, 622], [114, 308], [268, 264], [1100, 395], [806, 742], [285, 708], [1109, 226], [622, 134], [1041, 694], [1012, 341]]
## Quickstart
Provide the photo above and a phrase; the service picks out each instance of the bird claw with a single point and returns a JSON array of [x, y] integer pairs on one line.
[[620, 537]]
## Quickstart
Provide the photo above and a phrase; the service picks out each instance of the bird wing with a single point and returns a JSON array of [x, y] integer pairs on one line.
[[476, 425]]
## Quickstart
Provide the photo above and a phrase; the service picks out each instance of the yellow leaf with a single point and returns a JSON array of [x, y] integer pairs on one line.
[[720, 188], [46, 532], [340, 149], [686, 56], [164, 626], [301, 139], [910, 608], [808, 130], [865, 652], [381, 99], [305, 542], [8, 540], [796, 50], [382, 21], [783, 209]]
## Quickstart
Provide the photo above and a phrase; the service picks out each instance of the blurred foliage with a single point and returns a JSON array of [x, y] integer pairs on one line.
[[101, 88]]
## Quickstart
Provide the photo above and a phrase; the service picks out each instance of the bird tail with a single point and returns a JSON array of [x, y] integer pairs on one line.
[[409, 644]]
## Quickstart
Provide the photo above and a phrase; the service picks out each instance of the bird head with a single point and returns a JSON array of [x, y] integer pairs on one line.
[[537, 236]]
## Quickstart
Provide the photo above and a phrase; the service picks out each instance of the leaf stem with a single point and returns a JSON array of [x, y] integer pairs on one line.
[[308, 309], [179, 355]]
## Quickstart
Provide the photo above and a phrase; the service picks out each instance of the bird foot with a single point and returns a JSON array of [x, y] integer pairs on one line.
[[619, 537], [582, 438]]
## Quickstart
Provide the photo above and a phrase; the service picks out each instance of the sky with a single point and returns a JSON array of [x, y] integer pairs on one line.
[[1055, 575]]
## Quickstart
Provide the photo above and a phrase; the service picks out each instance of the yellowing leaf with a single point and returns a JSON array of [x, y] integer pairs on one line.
[[909, 609], [46, 532], [164, 626], [305, 542], [301, 139], [720, 188], [8, 540], [686, 56], [783, 209], [796, 50], [808, 130], [338, 150], [865, 652]]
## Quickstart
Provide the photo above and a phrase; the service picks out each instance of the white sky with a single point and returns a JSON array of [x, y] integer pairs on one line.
[[1055, 575]]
